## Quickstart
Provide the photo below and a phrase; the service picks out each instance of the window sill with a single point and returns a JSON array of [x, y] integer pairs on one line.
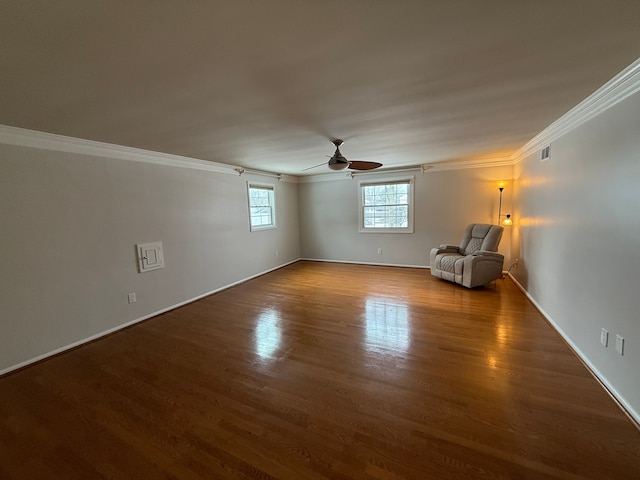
[[386, 230], [261, 228]]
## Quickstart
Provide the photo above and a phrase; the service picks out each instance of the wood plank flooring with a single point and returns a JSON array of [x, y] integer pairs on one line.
[[317, 371]]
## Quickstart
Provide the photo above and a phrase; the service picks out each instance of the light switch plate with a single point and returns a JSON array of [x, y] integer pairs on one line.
[[150, 256], [620, 344]]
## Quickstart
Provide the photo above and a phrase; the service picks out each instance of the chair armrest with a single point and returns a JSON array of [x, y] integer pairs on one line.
[[487, 253], [444, 248]]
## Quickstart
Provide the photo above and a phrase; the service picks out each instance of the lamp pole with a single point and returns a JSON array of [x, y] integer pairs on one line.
[[500, 206]]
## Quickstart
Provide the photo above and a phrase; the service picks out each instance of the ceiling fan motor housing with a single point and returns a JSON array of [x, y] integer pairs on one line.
[[338, 162]]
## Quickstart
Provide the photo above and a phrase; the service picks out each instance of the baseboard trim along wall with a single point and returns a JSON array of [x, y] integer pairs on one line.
[[364, 263], [79, 343], [626, 408], [619, 399]]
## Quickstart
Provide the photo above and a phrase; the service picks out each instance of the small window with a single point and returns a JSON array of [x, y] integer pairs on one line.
[[386, 206], [262, 206]]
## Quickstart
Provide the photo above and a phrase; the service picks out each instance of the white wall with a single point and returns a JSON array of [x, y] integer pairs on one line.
[[578, 235], [69, 225], [446, 201]]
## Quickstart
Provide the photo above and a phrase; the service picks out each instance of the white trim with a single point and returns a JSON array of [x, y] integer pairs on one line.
[[405, 179], [620, 87], [625, 406], [22, 137], [325, 177], [242, 170], [467, 164], [419, 168], [431, 167], [133, 322], [364, 263], [50, 141], [274, 209]]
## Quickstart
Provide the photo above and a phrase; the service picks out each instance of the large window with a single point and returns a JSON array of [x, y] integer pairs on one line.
[[262, 206], [386, 205]]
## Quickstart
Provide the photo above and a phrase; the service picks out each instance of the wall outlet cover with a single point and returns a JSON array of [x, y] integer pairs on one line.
[[604, 337], [620, 344]]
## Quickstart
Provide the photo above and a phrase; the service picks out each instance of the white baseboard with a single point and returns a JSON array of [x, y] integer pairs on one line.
[[364, 263], [610, 389], [619, 399], [70, 346]]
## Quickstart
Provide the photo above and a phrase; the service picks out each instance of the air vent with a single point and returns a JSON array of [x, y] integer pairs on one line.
[[150, 256], [546, 153]]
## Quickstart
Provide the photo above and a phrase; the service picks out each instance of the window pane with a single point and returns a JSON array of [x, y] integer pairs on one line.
[[385, 205], [261, 206]]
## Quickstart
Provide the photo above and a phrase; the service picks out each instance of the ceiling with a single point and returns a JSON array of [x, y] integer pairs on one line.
[[266, 84]]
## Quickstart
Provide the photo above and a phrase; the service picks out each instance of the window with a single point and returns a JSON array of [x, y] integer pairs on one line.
[[386, 205], [262, 206]]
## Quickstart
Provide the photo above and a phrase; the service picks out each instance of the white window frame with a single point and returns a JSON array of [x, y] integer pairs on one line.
[[410, 181], [272, 197]]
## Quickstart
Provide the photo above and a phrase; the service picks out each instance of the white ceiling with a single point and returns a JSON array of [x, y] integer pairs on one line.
[[266, 84]]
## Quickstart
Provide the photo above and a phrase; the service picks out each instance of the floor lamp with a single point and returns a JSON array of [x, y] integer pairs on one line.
[[507, 221]]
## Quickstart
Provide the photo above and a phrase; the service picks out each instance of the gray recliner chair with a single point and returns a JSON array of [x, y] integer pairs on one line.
[[475, 261]]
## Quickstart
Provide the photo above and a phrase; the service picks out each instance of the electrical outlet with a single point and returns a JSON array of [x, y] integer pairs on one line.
[[379, 251], [517, 260], [620, 344], [132, 298], [604, 337], [276, 253]]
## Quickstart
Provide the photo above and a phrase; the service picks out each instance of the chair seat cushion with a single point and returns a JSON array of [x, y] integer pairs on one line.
[[447, 261], [450, 262]]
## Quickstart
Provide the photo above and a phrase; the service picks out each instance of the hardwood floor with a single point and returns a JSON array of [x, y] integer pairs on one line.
[[321, 370]]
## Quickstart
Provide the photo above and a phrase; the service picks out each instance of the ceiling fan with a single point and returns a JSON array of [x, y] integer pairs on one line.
[[339, 162]]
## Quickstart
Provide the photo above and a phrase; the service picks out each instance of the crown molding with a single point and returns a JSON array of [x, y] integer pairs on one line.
[[50, 141], [431, 167], [61, 143], [324, 177], [467, 164], [620, 87], [348, 175]]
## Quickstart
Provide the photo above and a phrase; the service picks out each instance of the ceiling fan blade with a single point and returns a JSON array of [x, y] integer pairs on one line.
[[361, 165], [315, 166]]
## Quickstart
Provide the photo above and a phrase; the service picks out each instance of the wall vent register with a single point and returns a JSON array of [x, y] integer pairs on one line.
[[150, 256], [546, 153]]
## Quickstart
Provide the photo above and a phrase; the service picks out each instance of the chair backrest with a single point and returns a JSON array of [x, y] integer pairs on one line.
[[480, 236]]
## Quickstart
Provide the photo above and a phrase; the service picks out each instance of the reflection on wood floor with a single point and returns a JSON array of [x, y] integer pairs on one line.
[[321, 370]]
